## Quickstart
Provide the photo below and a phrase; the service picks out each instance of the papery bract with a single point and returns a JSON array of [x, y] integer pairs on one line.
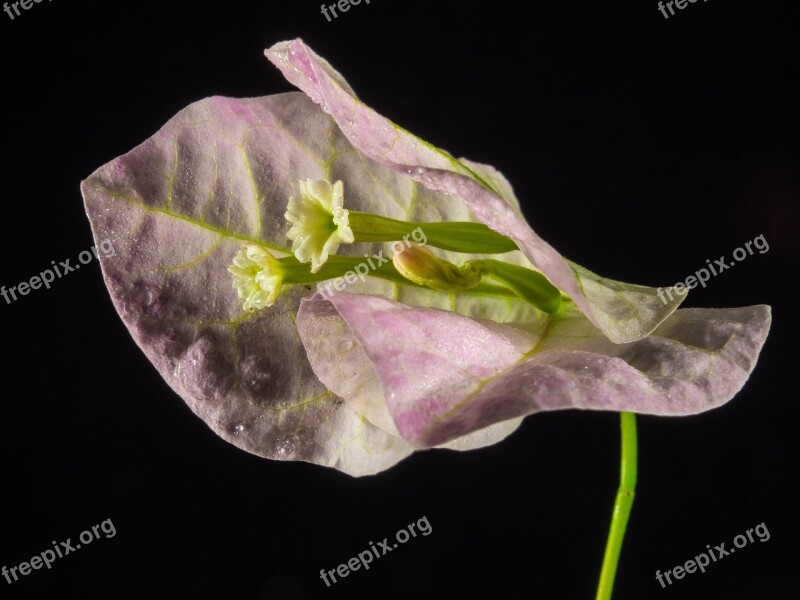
[[179, 207], [438, 386], [622, 311], [357, 382]]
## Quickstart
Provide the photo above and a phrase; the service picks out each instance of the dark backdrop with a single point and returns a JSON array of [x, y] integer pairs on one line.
[[639, 146]]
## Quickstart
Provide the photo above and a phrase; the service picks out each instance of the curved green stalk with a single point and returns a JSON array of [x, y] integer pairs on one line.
[[622, 506], [294, 272], [457, 236], [529, 285]]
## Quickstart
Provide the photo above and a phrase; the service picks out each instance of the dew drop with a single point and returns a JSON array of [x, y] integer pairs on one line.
[[286, 447], [148, 298], [345, 346], [206, 372]]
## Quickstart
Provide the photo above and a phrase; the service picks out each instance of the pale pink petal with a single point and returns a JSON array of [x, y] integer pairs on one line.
[[339, 361]]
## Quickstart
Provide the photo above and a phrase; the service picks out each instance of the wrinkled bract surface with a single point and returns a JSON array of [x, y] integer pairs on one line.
[[357, 381], [438, 389]]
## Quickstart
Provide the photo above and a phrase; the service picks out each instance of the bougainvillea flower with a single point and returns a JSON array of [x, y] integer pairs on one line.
[[362, 375], [256, 277], [319, 222]]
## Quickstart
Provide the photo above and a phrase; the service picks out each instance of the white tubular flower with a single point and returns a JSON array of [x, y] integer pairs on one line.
[[319, 221], [257, 277]]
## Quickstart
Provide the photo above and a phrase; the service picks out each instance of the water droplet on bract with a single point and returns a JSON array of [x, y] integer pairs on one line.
[[286, 446], [235, 428], [258, 378], [345, 346], [207, 373], [148, 298]]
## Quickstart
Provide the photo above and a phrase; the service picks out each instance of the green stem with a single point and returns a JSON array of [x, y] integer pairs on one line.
[[294, 272], [457, 236], [622, 506], [529, 285]]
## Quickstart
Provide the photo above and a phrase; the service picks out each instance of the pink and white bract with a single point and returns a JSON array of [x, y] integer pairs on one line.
[[357, 380]]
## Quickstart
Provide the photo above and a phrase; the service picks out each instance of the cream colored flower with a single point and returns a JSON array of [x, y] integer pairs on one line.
[[257, 277], [319, 221]]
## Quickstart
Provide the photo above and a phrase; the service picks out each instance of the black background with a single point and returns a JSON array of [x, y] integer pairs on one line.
[[639, 147]]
